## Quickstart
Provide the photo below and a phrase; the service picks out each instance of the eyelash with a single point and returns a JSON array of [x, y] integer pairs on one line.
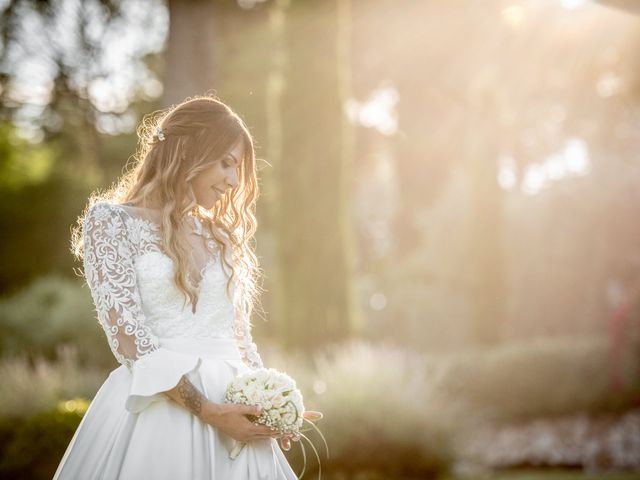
[[227, 163]]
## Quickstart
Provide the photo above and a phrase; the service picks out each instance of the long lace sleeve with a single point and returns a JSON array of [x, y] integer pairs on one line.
[[248, 349], [110, 273]]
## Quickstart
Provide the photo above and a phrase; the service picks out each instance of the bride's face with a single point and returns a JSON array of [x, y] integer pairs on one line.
[[211, 184]]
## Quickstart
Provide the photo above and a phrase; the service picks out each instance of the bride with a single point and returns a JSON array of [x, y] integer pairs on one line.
[[168, 257]]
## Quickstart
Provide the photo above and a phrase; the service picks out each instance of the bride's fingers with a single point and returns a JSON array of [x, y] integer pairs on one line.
[[285, 443], [312, 415], [264, 433], [263, 430]]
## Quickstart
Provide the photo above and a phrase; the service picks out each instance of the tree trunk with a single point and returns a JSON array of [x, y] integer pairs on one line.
[[190, 62], [315, 292]]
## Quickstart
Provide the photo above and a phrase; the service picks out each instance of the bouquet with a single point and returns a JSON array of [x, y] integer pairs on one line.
[[281, 402]]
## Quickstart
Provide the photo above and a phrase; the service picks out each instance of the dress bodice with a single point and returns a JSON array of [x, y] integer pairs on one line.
[[164, 305], [132, 283]]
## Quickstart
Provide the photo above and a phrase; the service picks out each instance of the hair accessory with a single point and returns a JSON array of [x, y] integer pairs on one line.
[[160, 134]]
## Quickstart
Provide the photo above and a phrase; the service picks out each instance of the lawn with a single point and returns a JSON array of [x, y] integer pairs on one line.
[[555, 475]]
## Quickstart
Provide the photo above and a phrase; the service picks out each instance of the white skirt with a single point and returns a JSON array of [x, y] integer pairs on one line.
[[131, 431]]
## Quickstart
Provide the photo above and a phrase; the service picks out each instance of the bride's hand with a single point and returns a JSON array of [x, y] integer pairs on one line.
[[231, 419]]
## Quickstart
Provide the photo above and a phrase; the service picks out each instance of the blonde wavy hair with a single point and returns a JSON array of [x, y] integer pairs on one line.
[[197, 131]]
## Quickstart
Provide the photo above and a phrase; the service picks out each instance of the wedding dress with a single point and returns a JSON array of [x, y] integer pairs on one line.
[[131, 430]]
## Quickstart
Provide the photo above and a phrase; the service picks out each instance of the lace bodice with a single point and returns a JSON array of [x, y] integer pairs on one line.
[[136, 299]]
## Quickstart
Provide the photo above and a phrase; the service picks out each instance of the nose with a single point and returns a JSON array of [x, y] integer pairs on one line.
[[232, 178]]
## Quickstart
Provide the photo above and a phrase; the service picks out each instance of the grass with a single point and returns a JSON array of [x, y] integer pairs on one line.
[[505, 475], [552, 475]]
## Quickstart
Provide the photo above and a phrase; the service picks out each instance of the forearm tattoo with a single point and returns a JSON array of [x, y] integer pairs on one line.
[[190, 395]]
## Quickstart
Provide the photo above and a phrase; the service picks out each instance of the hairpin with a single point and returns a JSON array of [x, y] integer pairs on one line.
[[160, 134]]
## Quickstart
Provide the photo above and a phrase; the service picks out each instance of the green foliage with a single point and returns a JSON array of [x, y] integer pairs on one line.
[[33, 386], [51, 312], [540, 377], [386, 408], [387, 411], [549, 474], [35, 445], [375, 417], [35, 221], [22, 163]]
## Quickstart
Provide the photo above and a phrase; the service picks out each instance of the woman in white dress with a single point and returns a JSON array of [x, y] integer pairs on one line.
[[168, 257]]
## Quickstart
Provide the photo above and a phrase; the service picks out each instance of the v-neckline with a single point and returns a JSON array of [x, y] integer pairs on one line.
[[203, 270], [196, 228], [198, 286]]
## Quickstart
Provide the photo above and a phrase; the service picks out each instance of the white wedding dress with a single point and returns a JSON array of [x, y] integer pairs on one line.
[[132, 431]]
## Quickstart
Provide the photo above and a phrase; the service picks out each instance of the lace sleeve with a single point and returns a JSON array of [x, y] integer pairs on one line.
[[110, 274], [248, 349]]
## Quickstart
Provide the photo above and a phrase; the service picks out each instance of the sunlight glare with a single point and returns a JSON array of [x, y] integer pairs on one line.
[[608, 85], [572, 160], [577, 156], [378, 301], [513, 15], [555, 167], [319, 387], [573, 4], [507, 173], [534, 179], [377, 111]]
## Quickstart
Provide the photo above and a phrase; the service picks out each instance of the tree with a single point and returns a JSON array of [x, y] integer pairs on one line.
[[67, 77], [315, 291]]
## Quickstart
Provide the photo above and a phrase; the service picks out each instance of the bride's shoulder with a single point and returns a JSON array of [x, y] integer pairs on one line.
[[123, 210], [103, 211], [104, 205], [119, 215], [119, 220], [100, 210]]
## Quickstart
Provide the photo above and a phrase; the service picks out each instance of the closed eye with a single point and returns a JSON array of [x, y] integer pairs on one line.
[[228, 164], [235, 163]]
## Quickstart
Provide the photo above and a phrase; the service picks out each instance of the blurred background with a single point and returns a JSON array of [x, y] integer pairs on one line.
[[448, 221]]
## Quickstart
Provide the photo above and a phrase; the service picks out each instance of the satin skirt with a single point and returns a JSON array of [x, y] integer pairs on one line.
[[131, 431]]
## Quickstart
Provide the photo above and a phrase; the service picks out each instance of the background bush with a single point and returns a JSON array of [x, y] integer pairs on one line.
[[386, 408], [538, 377], [30, 387], [51, 312], [49, 431], [388, 411]]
